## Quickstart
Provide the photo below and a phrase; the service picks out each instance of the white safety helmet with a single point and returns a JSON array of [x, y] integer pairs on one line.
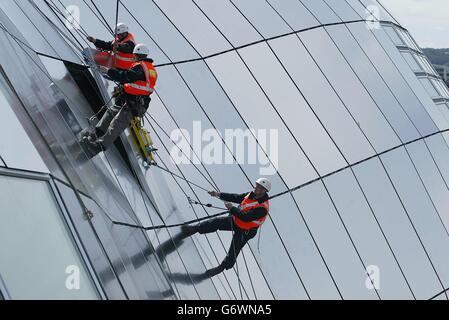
[[264, 182], [141, 49], [122, 28]]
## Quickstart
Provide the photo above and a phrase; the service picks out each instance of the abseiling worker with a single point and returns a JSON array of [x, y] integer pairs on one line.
[[133, 99], [120, 49], [244, 220]]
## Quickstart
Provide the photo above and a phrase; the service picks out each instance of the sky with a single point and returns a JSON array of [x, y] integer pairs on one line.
[[427, 20]]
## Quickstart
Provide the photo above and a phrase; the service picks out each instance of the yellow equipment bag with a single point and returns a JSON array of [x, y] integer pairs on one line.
[[142, 141]]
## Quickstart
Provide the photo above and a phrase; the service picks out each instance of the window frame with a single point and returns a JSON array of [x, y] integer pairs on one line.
[[61, 208]]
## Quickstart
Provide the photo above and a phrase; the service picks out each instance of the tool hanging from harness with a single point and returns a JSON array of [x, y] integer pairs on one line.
[[247, 205], [142, 142]]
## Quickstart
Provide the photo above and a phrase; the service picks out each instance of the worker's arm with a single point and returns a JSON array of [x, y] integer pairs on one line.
[[127, 76], [127, 47], [103, 45], [232, 197], [250, 215]]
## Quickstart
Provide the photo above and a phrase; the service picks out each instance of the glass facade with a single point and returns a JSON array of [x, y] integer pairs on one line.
[[40, 259], [358, 163]]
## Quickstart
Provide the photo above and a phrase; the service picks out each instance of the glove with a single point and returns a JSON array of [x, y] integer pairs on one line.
[[229, 205], [214, 194]]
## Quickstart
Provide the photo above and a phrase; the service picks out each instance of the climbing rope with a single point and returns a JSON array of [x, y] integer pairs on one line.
[[235, 258], [180, 177], [208, 205], [114, 47], [165, 226]]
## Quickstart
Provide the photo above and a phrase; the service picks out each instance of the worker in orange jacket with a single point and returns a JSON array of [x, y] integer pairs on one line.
[[244, 220], [136, 86], [120, 49]]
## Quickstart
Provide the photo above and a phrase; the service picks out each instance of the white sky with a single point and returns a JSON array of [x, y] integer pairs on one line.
[[427, 20]]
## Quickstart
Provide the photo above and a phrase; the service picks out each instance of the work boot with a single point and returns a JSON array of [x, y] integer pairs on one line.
[[214, 271], [187, 230]]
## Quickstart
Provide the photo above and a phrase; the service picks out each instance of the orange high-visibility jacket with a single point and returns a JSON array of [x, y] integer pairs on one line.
[[143, 88], [247, 205], [124, 60]]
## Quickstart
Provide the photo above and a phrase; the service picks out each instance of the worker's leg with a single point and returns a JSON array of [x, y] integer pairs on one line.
[[103, 125], [118, 124], [239, 239], [209, 226]]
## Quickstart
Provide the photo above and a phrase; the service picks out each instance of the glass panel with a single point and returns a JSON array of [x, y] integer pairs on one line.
[[445, 88], [43, 256], [303, 252], [393, 34], [361, 10], [21, 155], [408, 56], [158, 27], [428, 65], [424, 64], [398, 76], [321, 11], [52, 37], [135, 262], [349, 89], [263, 17], [444, 110], [433, 93], [440, 152], [405, 38], [88, 22], [379, 9], [408, 39], [364, 229], [373, 82], [227, 18], [421, 210], [291, 162], [441, 87], [281, 275], [294, 110], [432, 178], [331, 112], [440, 115], [293, 11], [344, 264], [36, 39], [195, 26], [104, 270], [344, 11], [398, 229], [438, 86]]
